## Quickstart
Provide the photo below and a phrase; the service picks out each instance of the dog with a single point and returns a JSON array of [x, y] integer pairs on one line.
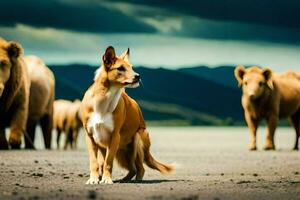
[[114, 124], [269, 96]]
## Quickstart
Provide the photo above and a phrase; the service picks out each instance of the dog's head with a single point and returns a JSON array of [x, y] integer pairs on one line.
[[119, 70], [254, 80]]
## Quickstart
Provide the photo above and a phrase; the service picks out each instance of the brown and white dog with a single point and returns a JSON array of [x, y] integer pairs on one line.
[[114, 123]]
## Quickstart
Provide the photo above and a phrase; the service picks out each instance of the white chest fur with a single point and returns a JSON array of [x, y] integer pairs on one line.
[[101, 125], [101, 120]]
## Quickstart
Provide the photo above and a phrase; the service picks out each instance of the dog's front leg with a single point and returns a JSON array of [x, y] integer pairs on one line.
[[94, 167], [110, 155]]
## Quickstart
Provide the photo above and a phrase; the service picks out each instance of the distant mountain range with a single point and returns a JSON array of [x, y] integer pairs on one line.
[[187, 96], [223, 75]]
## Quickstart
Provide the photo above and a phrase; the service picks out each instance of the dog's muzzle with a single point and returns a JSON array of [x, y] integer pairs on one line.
[[136, 78]]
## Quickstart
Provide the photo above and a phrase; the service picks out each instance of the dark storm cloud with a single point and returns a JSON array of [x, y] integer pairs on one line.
[[238, 31], [244, 20], [282, 13], [78, 17]]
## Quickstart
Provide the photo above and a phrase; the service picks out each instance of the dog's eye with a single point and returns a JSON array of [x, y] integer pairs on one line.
[[246, 82], [261, 83], [121, 69]]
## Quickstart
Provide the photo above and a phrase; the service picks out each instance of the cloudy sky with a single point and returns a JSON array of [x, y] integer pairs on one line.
[[160, 33]]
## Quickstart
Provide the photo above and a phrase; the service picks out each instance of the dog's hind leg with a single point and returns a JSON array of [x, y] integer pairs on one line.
[[139, 162], [140, 168], [126, 158]]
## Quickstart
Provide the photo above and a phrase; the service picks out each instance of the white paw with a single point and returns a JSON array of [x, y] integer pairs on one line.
[[93, 180], [106, 180]]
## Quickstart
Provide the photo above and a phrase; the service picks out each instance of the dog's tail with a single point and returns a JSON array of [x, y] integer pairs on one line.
[[144, 152]]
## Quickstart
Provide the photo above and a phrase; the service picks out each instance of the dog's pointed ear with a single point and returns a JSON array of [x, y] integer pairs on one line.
[[267, 73], [239, 73], [14, 50], [109, 57], [125, 55]]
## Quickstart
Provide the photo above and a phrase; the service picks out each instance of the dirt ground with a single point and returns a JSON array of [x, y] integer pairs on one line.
[[212, 163]]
